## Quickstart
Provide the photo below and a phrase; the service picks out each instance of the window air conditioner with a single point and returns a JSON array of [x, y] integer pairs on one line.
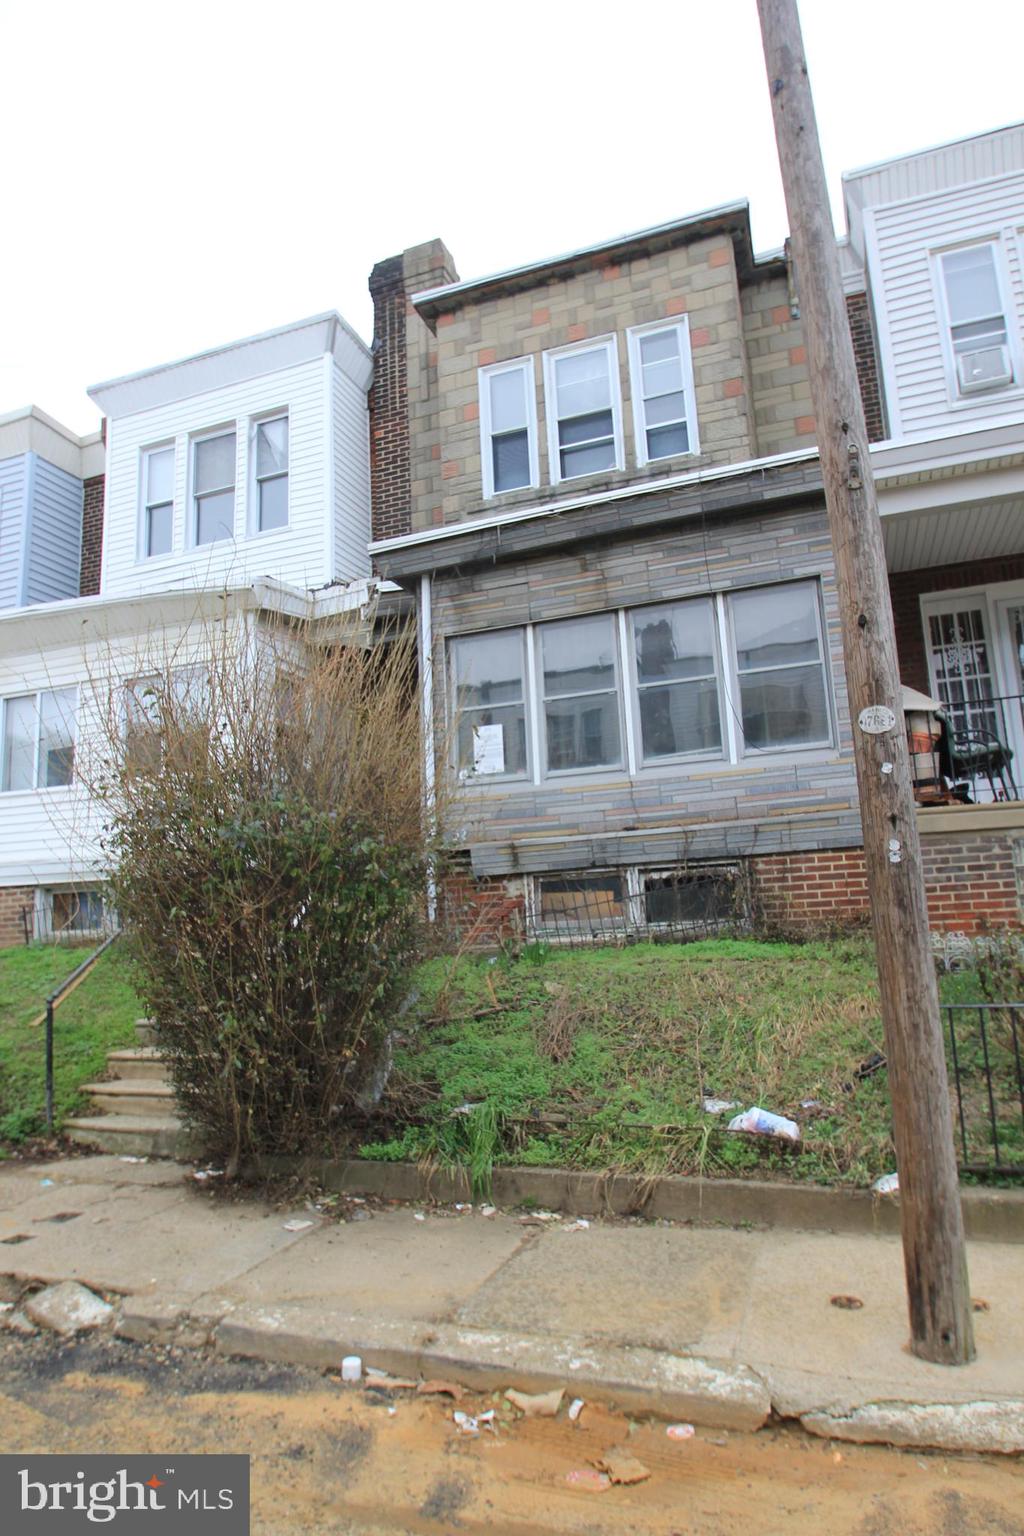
[[986, 368]]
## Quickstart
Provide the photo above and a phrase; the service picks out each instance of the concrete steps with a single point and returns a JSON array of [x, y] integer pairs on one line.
[[134, 1111]]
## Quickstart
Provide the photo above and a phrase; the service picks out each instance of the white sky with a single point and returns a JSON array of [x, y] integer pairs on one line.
[[179, 176]]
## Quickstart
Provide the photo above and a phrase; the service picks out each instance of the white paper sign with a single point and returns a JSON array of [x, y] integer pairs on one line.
[[489, 748]]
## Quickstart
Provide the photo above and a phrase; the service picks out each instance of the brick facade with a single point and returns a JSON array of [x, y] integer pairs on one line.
[[92, 537], [858, 312], [971, 881], [402, 396], [12, 899], [906, 589], [777, 358], [481, 912]]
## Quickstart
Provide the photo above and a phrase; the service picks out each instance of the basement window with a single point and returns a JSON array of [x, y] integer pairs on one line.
[[581, 903], [704, 897]]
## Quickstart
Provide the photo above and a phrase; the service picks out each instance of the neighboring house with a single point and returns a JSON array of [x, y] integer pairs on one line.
[[229, 487], [598, 474]]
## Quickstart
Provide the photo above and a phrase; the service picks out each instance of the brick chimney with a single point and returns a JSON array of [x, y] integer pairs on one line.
[[404, 381]]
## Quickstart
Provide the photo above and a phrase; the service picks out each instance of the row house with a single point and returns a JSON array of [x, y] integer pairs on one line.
[[227, 489], [598, 474], [595, 478]]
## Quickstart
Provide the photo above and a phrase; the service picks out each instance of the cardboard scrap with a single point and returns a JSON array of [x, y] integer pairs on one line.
[[440, 1389], [536, 1405], [622, 1466]]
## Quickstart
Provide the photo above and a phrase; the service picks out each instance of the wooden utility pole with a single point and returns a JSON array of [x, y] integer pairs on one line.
[[932, 1222]]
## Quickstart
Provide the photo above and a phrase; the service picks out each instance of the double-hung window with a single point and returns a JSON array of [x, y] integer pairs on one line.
[[580, 687], [157, 532], [661, 379], [489, 699], [508, 427], [271, 473], [213, 487], [677, 677], [780, 671], [977, 318], [581, 392], [39, 740]]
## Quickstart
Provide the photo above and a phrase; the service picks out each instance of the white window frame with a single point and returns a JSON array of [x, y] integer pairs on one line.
[[978, 399], [145, 505], [195, 438], [721, 676], [36, 693], [517, 776], [253, 490], [633, 339], [527, 367], [734, 700], [608, 344], [541, 698]]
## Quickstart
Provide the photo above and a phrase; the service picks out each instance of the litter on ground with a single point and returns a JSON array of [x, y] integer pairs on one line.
[[536, 1405], [440, 1389], [888, 1184], [713, 1106], [761, 1122], [586, 1477], [680, 1431], [297, 1224], [622, 1466], [576, 1408], [351, 1368], [580, 1225]]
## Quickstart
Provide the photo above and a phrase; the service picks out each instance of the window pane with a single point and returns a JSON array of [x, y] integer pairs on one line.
[[274, 503], [579, 655], [160, 476], [582, 383], [675, 640], [272, 447], [587, 461], [160, 522], [508, 400], [215, 463], [492, 741], [972, 289], [662, 442], [488, 669], [57, 737], [775, 626], [583, 732], [215, 518], [511, 460], [659, 346], [782, 709], [18, 767], [584, 429], [680, 718], [703, 896], [583, 900], [665, 408]]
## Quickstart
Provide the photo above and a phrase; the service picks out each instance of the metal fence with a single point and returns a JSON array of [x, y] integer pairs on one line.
[[986, 1058]]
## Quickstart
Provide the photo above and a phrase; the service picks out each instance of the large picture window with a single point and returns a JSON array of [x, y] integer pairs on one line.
[[677, 678]]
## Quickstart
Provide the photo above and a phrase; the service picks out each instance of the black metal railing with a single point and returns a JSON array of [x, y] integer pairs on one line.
[[986, 1058], [67, 985], [986, 745]]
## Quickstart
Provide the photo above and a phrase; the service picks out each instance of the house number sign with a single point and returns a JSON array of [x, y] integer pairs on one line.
[[876, 719]]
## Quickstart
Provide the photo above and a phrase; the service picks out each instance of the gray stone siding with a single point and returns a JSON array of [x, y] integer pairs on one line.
[[767, 803]]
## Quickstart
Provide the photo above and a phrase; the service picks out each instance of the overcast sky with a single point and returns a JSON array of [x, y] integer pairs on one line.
[[182, 175]]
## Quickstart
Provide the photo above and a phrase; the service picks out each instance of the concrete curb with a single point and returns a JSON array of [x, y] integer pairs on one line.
[[981, 1426], [990, 1215]]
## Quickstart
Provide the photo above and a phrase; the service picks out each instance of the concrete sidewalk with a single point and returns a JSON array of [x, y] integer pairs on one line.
[[718, 1326]]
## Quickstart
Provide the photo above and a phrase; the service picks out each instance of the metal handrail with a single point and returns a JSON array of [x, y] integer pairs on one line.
[[54, 998]]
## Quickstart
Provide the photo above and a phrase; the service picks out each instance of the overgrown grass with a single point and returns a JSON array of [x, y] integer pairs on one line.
[[600, 1059], [96, 1018]]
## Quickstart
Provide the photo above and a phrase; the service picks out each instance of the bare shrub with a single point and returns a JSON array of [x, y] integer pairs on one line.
[[269, 860]]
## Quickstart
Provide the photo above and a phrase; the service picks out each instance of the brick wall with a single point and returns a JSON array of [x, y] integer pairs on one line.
[[858, 312], [92, 537], [403, 390], [970, 880], [481, 912], [12, 899], [906, 589]]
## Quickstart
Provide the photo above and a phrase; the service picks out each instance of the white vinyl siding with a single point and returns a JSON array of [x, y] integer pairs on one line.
[[661, 385], [905, 242], [508, 426], [584, 410], [350, 475], [298, 554]]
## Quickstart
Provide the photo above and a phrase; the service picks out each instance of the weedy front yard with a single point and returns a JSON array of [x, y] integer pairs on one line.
[[601, 1059], [97, 1017]]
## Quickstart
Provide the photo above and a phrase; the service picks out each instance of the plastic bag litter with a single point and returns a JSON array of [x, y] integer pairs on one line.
[[761, 1122], [719, 1106], [888, 1184], [680, 1431], [579, 1225], [298, 1224]]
